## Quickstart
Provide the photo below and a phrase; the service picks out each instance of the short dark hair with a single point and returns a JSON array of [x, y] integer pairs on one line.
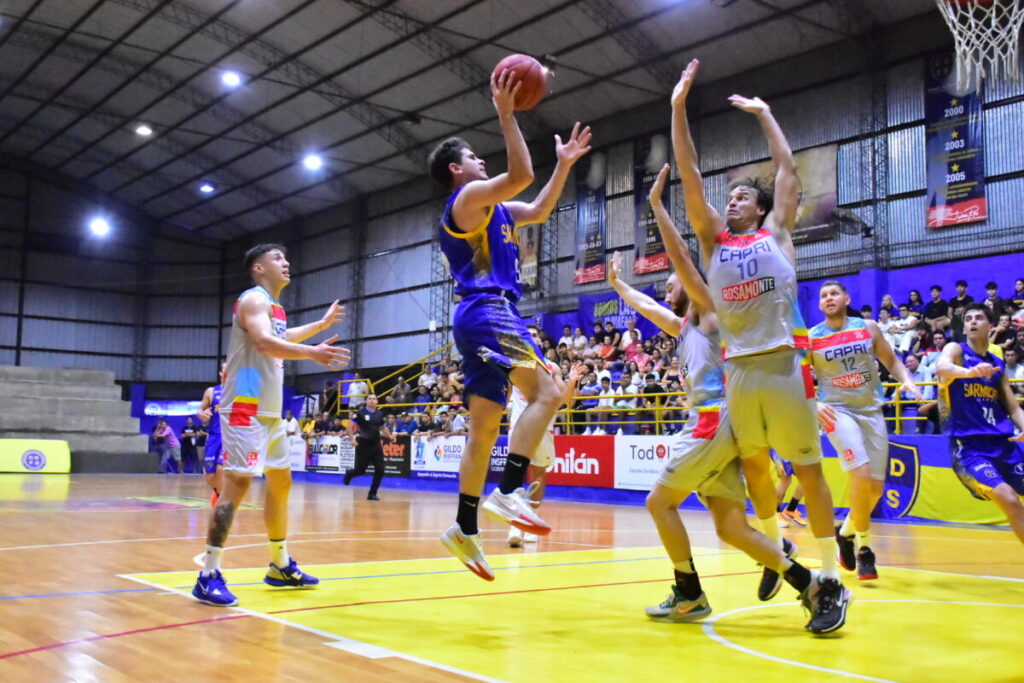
[[867, 308], [991, 285], [257, 252], [834, 283], [938, 287], [961, 283], [651, 377], [448, 152], [976, 306], [764, 193]]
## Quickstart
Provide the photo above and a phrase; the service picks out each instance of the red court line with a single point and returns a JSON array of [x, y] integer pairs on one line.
[[484, 595]]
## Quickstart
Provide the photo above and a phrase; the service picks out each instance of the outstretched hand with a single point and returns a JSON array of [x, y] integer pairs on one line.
[[659, 186], [615, 268], [335, 312], [686, 79], [985, 370], [575, 147], [332, 357], [751, 105], [503, 92], [911, 388]]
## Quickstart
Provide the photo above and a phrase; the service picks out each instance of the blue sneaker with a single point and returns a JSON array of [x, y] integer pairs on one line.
[[213, 591], [289, 576]]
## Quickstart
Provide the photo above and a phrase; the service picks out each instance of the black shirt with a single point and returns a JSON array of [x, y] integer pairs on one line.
[[322, 426], [369, 422], [934, 310]]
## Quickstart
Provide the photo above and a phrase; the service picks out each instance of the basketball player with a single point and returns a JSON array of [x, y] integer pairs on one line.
[[479, 239], [850, 397], [788, 513], [703, 456], [750, 262], [544, 456], [981, 411], [250, 412], [213, 456]]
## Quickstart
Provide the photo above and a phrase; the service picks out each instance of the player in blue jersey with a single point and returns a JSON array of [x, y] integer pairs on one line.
[[213, 454], [980, 411], [479, 238]]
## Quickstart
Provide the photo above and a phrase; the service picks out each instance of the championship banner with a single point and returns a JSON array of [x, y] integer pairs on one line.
[[436, 457], [297, 452], [610, 307], [34, 455], [639, 460], [590, 264], [953, 141], [529, 244], [583, 461], [649, 155], [816, 167]]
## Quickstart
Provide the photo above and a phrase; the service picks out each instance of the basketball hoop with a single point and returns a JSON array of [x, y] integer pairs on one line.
[[985, 34]]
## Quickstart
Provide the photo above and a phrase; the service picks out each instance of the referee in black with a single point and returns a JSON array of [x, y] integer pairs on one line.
[[370, 424]]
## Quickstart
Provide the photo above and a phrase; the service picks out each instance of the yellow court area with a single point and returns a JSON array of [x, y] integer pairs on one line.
[[578, 616]]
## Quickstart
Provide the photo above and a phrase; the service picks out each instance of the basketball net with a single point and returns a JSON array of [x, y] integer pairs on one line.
[[985, 34]]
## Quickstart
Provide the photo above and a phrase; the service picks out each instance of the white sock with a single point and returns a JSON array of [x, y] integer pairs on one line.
[[827, 546], [847, 528], [770, 528], [279, 553], [211, 561], [862, 539]]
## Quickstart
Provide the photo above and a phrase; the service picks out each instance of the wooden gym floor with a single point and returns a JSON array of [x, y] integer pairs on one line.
[[97, 571]]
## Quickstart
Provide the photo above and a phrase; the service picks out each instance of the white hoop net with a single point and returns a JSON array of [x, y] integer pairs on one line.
[[986, 36]]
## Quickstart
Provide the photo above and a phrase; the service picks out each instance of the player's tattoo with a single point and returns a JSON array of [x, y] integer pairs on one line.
[[223, 515]]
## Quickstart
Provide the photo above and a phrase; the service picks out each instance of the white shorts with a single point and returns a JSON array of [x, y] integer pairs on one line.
[[544, 456], [772, 405], [704, 458], [860, 438], [261, 444]]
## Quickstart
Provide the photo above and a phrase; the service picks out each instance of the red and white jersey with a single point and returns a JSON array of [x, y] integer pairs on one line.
[[517, 402]]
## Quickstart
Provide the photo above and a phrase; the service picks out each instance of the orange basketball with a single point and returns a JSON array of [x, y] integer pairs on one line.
[[533, 76]]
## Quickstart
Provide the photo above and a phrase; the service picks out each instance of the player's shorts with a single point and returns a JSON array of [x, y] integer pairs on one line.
[[772, 405], [492, 339], [261, 444], [704, 458], [860, 438], [984, 462], [214, 453]]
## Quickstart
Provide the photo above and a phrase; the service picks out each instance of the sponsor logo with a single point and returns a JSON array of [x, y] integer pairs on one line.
[[746, 291], [33, 460], [571, 463], [978, 390], [851, 381], [652, 452], [848, 455], [1019, 468], [990, 472], [843, 351], [251, 458]]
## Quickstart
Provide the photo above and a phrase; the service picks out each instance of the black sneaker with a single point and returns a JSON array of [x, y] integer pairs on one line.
[[771, 580], [866, 570], [348, 477], [827, 600], [846, 551], [372, 496]]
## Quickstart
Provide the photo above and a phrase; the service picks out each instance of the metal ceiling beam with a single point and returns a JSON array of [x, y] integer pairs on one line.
[[632, 39], [743, 28], [449, 56]]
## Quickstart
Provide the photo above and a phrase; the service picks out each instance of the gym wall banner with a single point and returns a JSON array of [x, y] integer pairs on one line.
[[590, 219], [583, 461], [649, 155], [34, 455]]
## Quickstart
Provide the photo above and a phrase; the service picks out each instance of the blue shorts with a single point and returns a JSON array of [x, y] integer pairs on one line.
[[984, 462], [214, 454], [492, 339], [786, 465]]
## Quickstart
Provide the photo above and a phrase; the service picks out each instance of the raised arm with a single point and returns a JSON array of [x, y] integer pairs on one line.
[[950, 366], [890, 360], [677, 250], [479, 195], [335, 312], [706, 221], [644, 305], [568, 153], [254, 316]]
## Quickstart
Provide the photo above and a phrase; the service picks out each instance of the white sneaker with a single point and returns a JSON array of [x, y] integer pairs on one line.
[[619, 433], [515, 537], [515, 509], [468, 551], [587, 432], [599, 432], [529, 538]]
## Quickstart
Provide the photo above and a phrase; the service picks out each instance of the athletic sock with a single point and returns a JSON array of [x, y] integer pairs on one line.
[[466, 516], [770, 527], [279, 552], [827, 546], [847, 528], [797, 575], [211, 561], [687, 579], [794, 503], [514, 474], [862, 539]]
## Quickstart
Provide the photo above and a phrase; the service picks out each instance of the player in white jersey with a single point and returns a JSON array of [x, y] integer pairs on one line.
[[703, 456], [250, 415], [750, 263], [544, 456], [850, 397]]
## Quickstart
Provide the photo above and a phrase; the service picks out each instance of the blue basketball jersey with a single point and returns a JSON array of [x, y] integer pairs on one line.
[[214, 426], [972, 406], [482, 258]]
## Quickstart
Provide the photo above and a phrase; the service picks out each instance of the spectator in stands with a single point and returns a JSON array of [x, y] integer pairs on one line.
[[1016, 316], [930, 358], [329, 396], [422, 399], [915, 303], [598, 330], [1017, 298], [957, 305], [460, 422], [903, 330], [402, 391], [1020, 343], [549, 350], [922, 340], [633, 346], [643, 357], [936, 311], [628, 334], [651, 386], [443, 425], [1003, 335], [435, 397], [593, 350], [888, 305], [632, 370], [388, 404], [608, 351], [610, 329], [566, 337], [323, 425], [391, 422], [927, 409], [190, 446], [625, 404], [427, 379], [425, 426], [648, 369], [885, 323], [1014, 370], [587, 394], [674, 419], [601, 370], [168, 446], [406, 424], [867, 313], [291, 425], [337, 427], [605, 405], [356, 391], [658, 361], [995, 303], [579, 341], [672, 373]]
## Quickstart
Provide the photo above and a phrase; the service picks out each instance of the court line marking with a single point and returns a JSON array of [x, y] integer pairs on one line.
[[76, 593], [708, 626]]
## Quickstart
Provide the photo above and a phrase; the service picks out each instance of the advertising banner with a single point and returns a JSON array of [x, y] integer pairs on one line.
[[590, 221], [436, 457], [34, 455], [498, 456], [297, 452], [396, 456], [954, 142], [610, 307], [639, 460], [583, 461], [331, 454], [529, 245], [649, 255]]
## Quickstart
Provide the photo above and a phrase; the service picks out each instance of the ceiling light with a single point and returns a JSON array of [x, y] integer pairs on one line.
[[313, 162], [144, 130], [231, 79], [99, 227], [206, 188]]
